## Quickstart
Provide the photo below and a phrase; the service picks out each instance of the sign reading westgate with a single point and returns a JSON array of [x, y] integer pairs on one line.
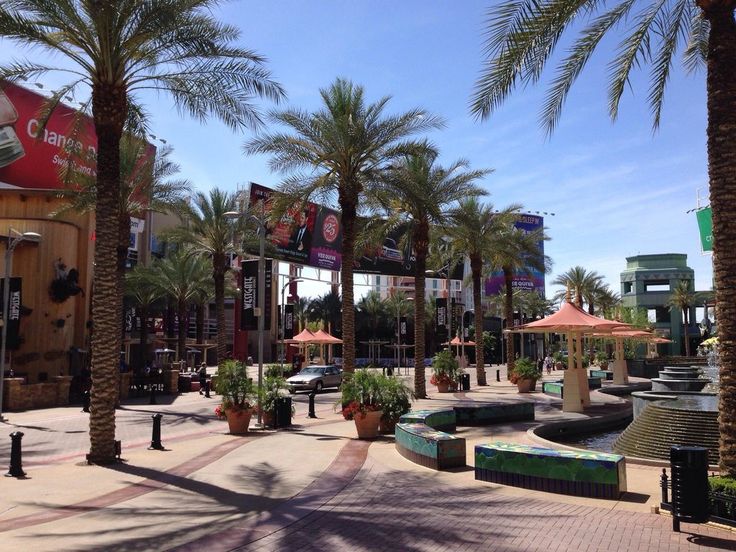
[[249, 294]]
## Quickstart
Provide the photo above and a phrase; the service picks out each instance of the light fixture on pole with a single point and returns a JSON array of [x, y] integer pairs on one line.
[[292, 280], [260, 312], [12, 244]]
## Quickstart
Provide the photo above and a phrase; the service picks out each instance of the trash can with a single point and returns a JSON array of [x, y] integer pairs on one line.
[[464, 382], [690, 487], [283, 412]]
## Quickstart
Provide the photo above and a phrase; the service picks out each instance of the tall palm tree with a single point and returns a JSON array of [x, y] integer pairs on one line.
[[180, 276], [417, 194], [683, 297], [325, 309], [522, 37], [475, 229], [517, 251], [300, 313], [581, 282], [204, 292], [373, 306], [343, 146], [209, 231], [607, 302], [145, 294], [115, 49]]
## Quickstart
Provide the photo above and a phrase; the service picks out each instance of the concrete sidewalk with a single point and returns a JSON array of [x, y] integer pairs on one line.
[[312, 487]]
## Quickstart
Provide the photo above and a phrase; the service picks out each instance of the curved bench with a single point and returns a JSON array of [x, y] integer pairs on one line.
[[441, 420], [428, 447], [578, 473], [482, 414]]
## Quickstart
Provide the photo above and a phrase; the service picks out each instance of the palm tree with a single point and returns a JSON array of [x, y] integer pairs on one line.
[[117, 48], [517, 251], [522, 38], [145, 294], [475, 228], [325, 309], [418, 194], [180, 276], [607, 302], [373, 306], [399, 305], [683, 298], [209, 231], [581, 283], [300, 313], [343, 146]]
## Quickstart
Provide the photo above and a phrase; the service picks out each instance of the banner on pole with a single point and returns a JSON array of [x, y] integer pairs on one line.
[[288, 321], [705, 225], [12, 341], [249, 294]]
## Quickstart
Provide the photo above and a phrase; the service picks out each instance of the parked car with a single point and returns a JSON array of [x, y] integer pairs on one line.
[[315, 378]]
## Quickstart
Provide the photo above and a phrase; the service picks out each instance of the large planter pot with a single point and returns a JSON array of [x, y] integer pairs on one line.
[[603, 365], [238, 420], [443, 387], [367, 424], [559, 366], [387, 426], [526, 385]]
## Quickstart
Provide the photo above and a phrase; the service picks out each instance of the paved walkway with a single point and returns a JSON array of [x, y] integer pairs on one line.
[[314, 487]]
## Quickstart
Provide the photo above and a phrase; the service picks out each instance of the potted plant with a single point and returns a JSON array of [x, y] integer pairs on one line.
[[272, 390], [602, 359], [445, 371], [560, 361], [525, 375], [395, 402], [361, 395], [238, 395]]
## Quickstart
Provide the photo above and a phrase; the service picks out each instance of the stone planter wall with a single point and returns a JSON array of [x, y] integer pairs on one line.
[[17, 396]]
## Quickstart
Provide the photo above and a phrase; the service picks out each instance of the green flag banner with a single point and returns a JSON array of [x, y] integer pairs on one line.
[[705, 225]]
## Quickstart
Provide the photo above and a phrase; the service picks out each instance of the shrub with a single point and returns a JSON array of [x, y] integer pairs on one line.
[[445, 368], [361, 392], [525, 368], [234, 385], [395, 399]]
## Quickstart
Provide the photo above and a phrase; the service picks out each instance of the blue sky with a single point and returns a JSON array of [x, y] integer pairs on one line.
[[616, 189]]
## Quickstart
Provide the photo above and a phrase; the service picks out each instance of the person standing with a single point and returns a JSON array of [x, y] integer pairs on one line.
[[548, 363], [202, 373]]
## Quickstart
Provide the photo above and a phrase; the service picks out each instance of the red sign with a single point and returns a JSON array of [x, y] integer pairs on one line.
[[31, 157]]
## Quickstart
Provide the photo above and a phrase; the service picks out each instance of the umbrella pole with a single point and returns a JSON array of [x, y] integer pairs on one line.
[[571, 399], [620, 377], [582, 372]]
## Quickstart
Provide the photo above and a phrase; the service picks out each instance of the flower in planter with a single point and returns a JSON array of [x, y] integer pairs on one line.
[[441, 379], [354, 409], [220, 412]]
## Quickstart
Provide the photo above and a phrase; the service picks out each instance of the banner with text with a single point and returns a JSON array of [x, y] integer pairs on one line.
[[13, 333], [249, 294], [705, 225]]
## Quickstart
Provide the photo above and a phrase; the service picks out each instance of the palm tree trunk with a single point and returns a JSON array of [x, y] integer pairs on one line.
[[421, 248], [721, 86], [509, 314], [181, 334], [476, 267], [143, 358], [109, 106], [349, 212], [200, 324], [219, 277]]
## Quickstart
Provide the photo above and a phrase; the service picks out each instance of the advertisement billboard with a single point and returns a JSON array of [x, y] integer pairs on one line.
[[32, 156], [533, 280]]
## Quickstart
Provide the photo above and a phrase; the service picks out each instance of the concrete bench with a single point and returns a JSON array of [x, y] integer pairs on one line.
[[578, 473], [441, 420], [603, 374], [428, 447], [557, 388]]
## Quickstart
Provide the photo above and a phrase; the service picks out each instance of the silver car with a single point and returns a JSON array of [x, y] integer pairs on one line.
[[315, 378]]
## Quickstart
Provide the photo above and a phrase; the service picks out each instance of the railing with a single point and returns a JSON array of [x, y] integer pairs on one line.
[[722, 506]]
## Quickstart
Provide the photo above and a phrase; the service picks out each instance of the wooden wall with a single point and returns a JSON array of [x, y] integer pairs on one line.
[[47, 340]]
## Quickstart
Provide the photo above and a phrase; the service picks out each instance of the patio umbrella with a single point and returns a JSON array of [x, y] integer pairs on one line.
[[620, 370], [324, 338], [574, 322]]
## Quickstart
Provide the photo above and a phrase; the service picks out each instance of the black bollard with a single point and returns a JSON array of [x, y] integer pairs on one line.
[[152, 399], [85, 401], [16, 461], [311, 405], [498, 375], [207, 389], [156, 434]]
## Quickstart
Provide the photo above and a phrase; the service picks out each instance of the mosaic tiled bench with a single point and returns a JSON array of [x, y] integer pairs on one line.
[[428, 447], [441, 420], [481, 414], [578, 473], [603, 374], [557, 389]]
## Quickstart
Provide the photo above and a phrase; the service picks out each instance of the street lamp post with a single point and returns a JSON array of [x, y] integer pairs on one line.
[[283, 318], [260, 312], [12, 244]]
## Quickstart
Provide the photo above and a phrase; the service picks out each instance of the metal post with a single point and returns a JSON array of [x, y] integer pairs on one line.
[[283, 324], [663, 484], [16, 460], [498, 374], [85, 401], [156, 433], [311, 405], [207, 389], [6, 300], [152, 399], [262, 307]]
